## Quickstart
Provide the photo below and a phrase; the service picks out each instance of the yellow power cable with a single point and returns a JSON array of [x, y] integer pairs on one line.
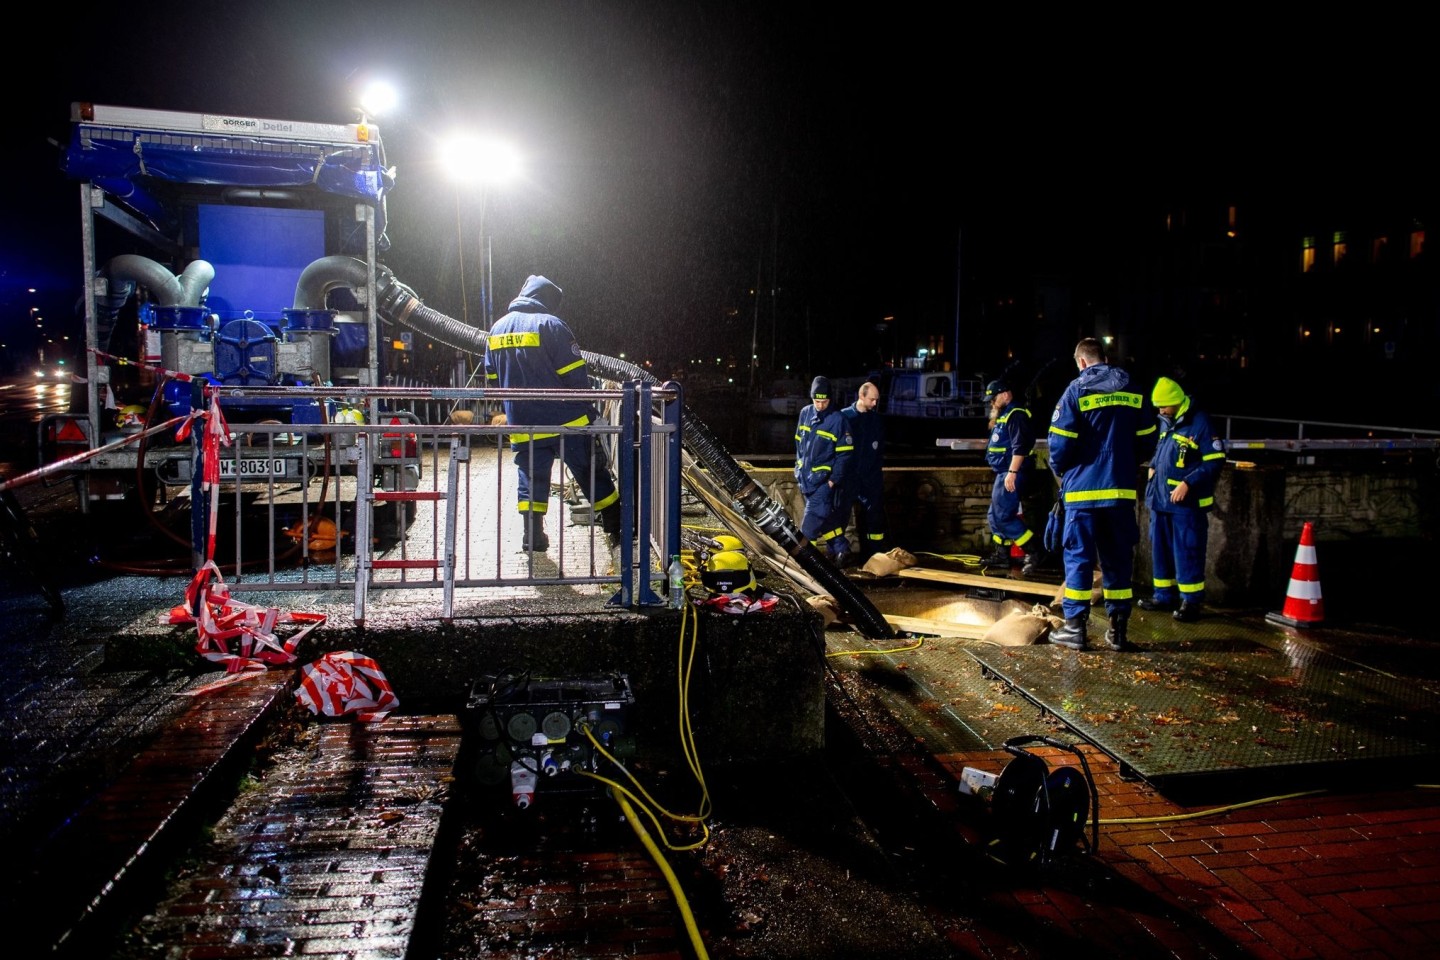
[[1214, 811], [690, 926], [872, 653], [1236, 806]]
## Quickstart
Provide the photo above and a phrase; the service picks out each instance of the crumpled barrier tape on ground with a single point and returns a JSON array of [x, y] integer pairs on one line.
[[220, 619], [740, 603], [342, 682]]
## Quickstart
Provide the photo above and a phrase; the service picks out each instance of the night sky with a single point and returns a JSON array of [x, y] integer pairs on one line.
[[861, 162]]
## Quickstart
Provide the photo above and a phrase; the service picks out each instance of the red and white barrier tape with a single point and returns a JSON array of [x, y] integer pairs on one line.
[[342, 682], [220, 619]]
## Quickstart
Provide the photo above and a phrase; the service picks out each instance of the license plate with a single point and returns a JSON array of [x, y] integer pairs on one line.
[[261, 467]]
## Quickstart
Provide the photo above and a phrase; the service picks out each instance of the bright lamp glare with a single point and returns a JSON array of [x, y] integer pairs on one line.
[[378, 99], [480, 160]]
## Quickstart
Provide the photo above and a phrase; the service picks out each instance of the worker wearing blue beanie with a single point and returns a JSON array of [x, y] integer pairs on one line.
[[822, 454]]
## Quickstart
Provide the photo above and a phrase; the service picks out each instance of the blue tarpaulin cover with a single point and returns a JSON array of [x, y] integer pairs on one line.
[[123, 160]]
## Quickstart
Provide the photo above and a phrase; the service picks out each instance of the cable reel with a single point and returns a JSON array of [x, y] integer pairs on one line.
[[1039, 814]]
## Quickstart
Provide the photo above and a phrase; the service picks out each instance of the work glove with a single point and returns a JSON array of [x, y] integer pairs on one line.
[[1055, 528]]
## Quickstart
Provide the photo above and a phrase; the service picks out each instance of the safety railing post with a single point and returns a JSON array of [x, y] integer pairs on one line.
[[645, 505], [674, 413], [363, 482], [631, 586], [459, 453]]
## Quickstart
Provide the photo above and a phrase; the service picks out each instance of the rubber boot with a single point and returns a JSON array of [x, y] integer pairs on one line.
[[1072, 635], [1115, 636], [536, 540]]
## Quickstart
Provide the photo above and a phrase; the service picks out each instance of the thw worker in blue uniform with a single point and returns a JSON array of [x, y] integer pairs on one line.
[[1011, 454], [1187, 462], [531, 347], [1097, 443], [865, 484], [822, 456]]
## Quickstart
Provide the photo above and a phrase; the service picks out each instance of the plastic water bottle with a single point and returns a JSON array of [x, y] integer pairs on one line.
[[677, 583]]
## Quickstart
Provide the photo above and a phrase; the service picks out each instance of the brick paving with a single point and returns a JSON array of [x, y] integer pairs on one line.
[[328, 860], [1351, 873]]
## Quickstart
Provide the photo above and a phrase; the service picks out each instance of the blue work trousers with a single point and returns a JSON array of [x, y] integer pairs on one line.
[[868, 504], [1177, 554], [1106, 534], [1006, 524], [822, 522], [534, 460]]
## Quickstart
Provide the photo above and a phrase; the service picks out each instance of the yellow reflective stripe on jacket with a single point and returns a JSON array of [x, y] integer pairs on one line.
[[503, 341], [1146, 431], [844, 448], [568, 367], [1096, 401], [1064, 433], [1207, 502], [827, 435], [1213, 456], [1081, 496]]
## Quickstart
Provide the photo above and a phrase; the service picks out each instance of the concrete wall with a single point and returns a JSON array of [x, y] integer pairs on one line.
[[1254, 529], [756, 688]]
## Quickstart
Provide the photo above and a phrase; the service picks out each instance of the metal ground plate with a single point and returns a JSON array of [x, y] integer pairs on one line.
[[1225, 700]]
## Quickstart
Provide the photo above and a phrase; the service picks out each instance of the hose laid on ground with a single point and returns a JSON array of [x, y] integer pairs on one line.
[[397, 303]]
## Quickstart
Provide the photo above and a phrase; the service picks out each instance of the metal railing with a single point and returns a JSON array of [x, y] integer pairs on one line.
[[1284, 436], [395, 504]]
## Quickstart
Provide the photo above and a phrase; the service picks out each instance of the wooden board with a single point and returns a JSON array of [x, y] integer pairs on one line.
[[940, 628], [1032, 587]]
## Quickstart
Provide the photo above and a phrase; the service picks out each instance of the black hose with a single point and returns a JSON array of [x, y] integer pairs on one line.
[[399, 304]]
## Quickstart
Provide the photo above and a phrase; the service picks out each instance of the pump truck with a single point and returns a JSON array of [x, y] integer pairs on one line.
[[227, 250]]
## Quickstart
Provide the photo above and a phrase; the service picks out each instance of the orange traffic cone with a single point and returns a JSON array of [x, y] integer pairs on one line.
[[1304, 607]]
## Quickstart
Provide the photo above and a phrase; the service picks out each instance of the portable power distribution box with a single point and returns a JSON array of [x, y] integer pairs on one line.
[[546, 725]]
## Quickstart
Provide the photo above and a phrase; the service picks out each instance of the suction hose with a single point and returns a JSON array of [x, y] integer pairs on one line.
[[399, 304]]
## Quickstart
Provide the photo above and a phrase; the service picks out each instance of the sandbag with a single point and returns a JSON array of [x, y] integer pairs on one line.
[[1023, 627], [825, 605], [890, 563]]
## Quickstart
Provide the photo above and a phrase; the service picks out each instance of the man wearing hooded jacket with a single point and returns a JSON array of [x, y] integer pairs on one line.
[[1181, 492], [1097, 443], [531, 347], [822, 454]]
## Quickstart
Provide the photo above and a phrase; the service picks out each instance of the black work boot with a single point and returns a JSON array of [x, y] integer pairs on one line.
[[1115, 636], [536, 540], [1187, 612], [999, 558], [1072, 635], [1149, 603], [1036, 559], [610, 523]]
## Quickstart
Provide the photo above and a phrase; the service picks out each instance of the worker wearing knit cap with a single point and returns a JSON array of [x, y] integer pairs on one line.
[[1181, 493], [822, 453]]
